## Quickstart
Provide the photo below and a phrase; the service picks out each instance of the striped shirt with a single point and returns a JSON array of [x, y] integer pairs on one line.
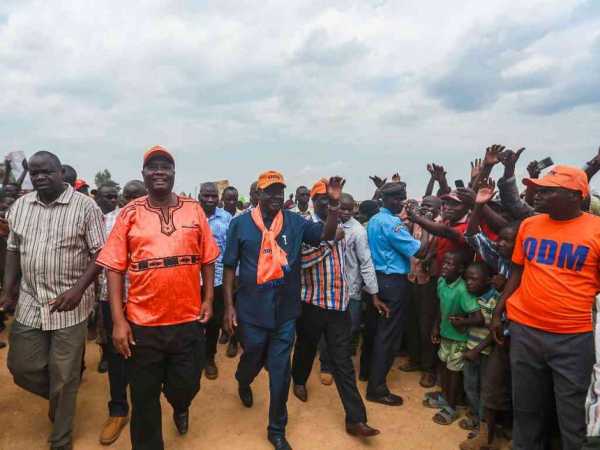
[[219, 224], [476, 335], [56, 243], [592, 402], [323, 279]]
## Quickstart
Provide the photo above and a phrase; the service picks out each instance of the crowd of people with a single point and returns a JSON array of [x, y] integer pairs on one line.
[[491, 292]]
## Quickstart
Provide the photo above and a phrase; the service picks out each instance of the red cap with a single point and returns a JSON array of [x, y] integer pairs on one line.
[[80, 184], [562, 176], [452, 196], [157, 150]]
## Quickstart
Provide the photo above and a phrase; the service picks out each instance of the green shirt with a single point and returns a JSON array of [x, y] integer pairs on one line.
[[487, 303], [454, 301]]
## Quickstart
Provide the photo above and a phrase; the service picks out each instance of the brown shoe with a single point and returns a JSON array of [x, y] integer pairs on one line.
[[112, 429], [326, 379], [300, 392], [211, 371], [361, 429]]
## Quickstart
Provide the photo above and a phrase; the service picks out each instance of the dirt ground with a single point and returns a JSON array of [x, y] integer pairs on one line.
[[218, 421]]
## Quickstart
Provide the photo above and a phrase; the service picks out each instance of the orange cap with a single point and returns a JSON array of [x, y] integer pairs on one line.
[[266, 179], [320, 187], [567, 177], [155, 151]]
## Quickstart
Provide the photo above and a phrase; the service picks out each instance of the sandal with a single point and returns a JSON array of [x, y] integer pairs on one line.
[[435, 403], [445, 416], [433, 394], [427, 380], [469, 423]]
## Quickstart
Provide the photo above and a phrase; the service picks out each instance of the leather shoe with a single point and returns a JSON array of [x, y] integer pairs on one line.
[[279, 442], [388, 400], [232, 349], [182, 421], [112, 429], [300, 392], [245, 393], [211, 371], [361, 429]]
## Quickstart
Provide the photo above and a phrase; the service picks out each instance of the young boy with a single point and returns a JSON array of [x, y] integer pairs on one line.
[[478, 281], [458, 310]]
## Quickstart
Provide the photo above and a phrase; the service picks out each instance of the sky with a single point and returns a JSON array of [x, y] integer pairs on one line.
[[310, 88]]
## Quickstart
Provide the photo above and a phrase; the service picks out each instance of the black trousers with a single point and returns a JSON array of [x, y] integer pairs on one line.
[[117, 369], [394, 291], [336, 327], [549, 367], [421, 315], [213, 327], [168, 359]]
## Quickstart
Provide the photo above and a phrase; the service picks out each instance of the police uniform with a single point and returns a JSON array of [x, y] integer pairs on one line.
[[391, 246]]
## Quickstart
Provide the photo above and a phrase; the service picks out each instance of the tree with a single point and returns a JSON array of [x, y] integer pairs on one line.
[[102, 177]]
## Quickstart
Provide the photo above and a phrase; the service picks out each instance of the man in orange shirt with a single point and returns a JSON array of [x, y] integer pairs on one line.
[[162, 241], [549, 299]]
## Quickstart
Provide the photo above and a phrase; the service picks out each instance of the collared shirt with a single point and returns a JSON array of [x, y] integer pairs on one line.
[[486, 249], [323, 274], [455, 300], [162, 255], [268, 306], [219, 224], [487, 302], [592, 402], [56, 242], [308, 214], [109, 222], [391, 243], [359, 264]]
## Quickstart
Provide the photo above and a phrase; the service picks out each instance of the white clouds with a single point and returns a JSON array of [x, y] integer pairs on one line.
[[238, 87]]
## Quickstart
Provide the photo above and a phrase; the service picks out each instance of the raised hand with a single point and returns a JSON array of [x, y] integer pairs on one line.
[[533, 170], [334, 188], [510, 158], [595, 161], [396, 177], [486, 192], [377, 181], [439, 171], [467, 196], [430, 169], [492, 155], [476, 167]]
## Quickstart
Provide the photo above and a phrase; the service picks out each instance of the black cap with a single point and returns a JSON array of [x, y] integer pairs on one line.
[[393, 188]]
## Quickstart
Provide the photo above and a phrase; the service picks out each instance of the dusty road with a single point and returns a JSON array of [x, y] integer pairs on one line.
[[219, 422]]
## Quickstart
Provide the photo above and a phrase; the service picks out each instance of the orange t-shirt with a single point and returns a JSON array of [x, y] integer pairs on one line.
[[162, 257], [561, 273]]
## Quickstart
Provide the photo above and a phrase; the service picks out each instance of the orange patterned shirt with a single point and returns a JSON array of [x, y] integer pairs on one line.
[[162, 257]]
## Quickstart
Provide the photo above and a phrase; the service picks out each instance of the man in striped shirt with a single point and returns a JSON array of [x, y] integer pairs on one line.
[[325, 298], [55, 235]]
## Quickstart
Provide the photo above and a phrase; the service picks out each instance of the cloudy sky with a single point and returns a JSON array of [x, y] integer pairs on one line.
[[311, 88]]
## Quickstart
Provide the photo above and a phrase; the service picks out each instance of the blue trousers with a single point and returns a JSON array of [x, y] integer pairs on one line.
[[270, 348]]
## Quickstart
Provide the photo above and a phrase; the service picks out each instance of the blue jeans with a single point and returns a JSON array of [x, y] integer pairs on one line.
[[473, 373], [355, 308], [264, 347]]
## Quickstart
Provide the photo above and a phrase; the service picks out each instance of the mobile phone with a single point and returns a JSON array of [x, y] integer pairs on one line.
[[545, 163], [460, 184]]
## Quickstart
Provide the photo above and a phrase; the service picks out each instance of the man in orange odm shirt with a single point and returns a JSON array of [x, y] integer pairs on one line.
[[162, 241], [549, 299]]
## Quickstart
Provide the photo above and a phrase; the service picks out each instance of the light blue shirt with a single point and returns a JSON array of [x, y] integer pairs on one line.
[[219, 224], [391, 243]]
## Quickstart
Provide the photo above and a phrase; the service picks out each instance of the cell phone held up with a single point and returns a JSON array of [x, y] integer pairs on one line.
[[460, 184], [544, 164]]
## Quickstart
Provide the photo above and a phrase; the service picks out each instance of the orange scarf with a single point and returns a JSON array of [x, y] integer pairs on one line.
[[272, 259]]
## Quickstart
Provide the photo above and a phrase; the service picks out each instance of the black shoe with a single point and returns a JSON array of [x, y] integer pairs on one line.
[[245, 393], [388, 400], [279, 442], [300, 392], [211, 370], [232, 349], [103, 366], [363, 376], [2, 344], [182, 421], [224, 338], [63, 447]]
